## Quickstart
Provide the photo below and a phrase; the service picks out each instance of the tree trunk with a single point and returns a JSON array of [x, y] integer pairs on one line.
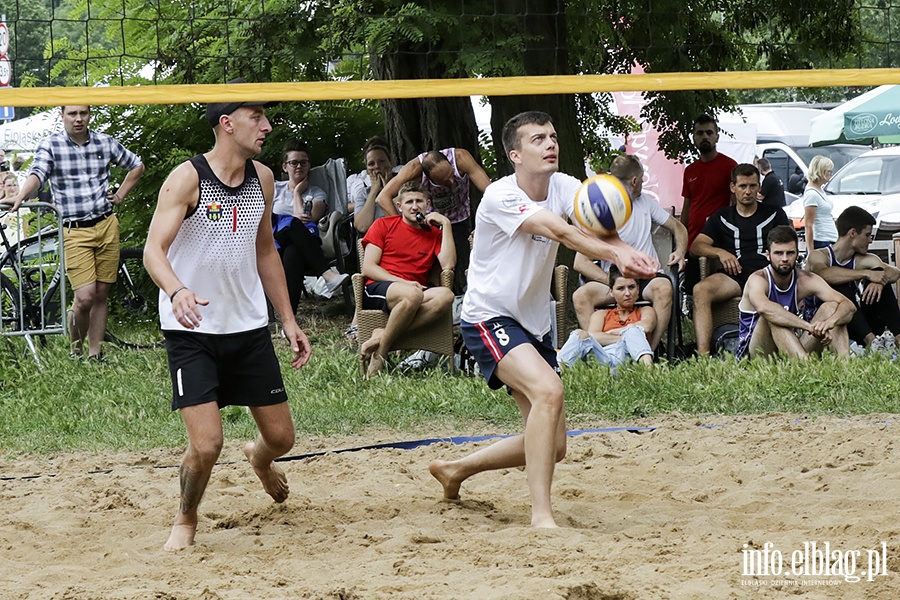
[[546, 53], [417, 125]]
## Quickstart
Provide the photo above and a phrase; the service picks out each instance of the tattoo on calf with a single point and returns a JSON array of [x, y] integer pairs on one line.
[[191, 490]]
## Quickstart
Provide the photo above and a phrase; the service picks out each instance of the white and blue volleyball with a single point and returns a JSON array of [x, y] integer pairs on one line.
[[602, 205]]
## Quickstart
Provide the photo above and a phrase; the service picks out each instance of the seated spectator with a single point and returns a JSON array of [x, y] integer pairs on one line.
[[363, 188], [637, 233], [445, 175], [399, 253], [296, 211], [770, 306], [862, 277], [736, 235], [617, 333]]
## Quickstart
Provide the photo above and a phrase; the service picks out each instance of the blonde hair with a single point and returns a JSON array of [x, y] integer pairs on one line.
[[819, 166]]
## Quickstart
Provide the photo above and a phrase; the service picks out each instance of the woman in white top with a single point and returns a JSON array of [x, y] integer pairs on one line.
[[820, 228]]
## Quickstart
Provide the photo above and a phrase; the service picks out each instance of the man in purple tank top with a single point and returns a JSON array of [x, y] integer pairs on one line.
[[770, 306]]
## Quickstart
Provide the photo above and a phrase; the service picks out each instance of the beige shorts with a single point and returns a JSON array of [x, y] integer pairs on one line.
[[92, 253]]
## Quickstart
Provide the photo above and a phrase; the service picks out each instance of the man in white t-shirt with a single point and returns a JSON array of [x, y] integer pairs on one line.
[[506, 310], [637, 233]]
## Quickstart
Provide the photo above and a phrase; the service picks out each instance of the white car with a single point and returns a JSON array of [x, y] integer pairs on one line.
[[870, 181]]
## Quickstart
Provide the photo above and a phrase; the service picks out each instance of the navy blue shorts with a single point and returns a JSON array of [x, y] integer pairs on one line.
[[490, 341], [375, 295], [238, 369]]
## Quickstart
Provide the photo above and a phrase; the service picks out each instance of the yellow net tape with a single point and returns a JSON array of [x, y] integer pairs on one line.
[[489, 86]]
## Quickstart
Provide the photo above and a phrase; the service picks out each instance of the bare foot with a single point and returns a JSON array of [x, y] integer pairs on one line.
[[445, 473], [376, 365], [273, 479], [181, 537], [371, 345], [547, 522]]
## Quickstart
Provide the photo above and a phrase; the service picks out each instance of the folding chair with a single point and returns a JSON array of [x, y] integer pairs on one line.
[[725, 312], [437, 339], [336, 227]]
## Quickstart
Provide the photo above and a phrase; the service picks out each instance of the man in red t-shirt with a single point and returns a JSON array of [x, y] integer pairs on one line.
[[399, 253], [706, 188]]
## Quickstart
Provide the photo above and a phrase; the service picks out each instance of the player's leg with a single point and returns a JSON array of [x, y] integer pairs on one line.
[[276, 438], [839, 338], [768, 339], [204, 429], [538, 392], [715, 288], [587, 298], [659, 293]]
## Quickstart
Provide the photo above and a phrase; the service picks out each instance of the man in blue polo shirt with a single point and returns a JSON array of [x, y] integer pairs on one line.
[[76, 161]]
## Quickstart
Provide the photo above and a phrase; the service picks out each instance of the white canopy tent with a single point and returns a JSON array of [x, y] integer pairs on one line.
[[23, 135]]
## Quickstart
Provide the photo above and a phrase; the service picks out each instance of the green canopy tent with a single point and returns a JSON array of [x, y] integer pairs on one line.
[[873, 116]]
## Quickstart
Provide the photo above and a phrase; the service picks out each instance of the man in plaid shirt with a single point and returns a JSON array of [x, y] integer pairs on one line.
[[77, 162]]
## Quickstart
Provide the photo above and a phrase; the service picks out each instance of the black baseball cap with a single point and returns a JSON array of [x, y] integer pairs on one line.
[[215, 110]]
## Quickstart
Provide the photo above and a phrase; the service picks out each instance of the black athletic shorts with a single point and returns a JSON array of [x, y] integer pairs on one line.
[[375, 295], [238, 369]]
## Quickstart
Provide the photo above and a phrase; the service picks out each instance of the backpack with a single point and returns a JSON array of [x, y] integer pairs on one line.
[[725, 339]]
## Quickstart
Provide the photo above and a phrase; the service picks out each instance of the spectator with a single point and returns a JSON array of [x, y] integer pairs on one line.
[[399, 253], [77, 163], [771, 191], [736, 235], [705, 189], [645, 213], [445, 175], [770, 306], [617, 333], [862, 277], [820, 228], [296, 211], [363, 188]]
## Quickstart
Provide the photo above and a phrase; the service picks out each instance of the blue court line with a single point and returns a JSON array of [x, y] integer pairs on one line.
[[458, 440]]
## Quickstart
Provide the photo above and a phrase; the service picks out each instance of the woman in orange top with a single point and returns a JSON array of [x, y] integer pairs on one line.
[[614, 334]]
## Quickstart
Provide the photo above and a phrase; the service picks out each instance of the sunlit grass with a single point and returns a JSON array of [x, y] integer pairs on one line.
[[125, 404]]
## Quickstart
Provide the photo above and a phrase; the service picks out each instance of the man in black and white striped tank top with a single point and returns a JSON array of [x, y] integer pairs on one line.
[[210, 251], [862, 277]]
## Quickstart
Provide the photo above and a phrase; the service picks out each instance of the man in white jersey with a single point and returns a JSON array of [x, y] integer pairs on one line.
[[211, 252], [506, 311]]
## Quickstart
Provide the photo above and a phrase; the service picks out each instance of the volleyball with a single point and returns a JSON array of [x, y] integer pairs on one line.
[[602, 204]]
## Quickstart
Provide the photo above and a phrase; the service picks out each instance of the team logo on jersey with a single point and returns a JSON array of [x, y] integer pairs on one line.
[[214, 211]]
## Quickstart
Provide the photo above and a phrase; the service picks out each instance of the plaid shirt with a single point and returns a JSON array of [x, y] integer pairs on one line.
[[79, 175]]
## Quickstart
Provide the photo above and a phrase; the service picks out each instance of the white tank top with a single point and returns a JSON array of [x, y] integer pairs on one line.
[[214, 255]]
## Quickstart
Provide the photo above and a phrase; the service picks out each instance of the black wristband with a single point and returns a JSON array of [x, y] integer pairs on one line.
[[172, 295]]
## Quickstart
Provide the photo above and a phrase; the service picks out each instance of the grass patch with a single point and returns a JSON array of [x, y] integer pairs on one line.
[[124, 405]]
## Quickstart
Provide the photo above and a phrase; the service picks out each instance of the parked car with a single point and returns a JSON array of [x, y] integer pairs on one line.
[[870, 181], [791, 163]]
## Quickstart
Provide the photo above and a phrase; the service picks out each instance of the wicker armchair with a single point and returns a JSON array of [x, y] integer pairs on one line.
[[722, 312], [437, 339]]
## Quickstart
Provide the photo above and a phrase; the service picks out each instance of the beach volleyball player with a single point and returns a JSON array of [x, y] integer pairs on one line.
[[506, 317]]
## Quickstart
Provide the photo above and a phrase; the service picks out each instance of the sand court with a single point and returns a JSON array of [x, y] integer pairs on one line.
[[695, 508]]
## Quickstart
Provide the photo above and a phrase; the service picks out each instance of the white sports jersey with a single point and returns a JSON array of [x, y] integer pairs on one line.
[[645, 212], [214, 255], [509, 270]]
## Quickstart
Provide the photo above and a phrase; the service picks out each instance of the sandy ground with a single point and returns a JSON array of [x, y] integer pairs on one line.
[[672, 513]]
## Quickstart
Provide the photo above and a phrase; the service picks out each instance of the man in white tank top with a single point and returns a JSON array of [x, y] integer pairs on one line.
[[211, 252], [506, 311]]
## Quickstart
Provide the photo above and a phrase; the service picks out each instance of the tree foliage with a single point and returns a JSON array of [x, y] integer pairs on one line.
[[135, 42]]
